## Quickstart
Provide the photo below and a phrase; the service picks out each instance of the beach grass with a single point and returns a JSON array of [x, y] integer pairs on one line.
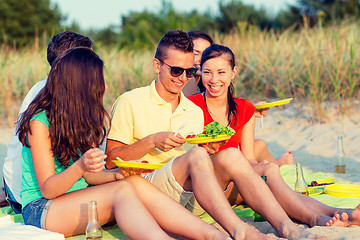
[[313, 65]]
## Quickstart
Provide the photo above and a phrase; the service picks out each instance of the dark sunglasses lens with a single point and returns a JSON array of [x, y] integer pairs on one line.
[[176, 71], [190, 72]]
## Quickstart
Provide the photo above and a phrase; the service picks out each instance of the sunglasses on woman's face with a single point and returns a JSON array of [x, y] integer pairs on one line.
[[177, 71]]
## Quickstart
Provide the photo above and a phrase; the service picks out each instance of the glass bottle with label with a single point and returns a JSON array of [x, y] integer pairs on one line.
[[93, 229], [300, 184], [340, 157]]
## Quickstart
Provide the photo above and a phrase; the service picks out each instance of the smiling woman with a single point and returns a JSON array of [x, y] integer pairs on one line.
[[217, 75]]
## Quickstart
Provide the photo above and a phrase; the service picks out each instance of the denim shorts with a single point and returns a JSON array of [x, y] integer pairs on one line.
[[34, 213]]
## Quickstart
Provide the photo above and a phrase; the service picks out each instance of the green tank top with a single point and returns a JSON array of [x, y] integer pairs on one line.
[[29, 188]]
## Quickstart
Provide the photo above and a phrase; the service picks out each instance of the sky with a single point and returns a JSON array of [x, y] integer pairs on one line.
[[101, 13]]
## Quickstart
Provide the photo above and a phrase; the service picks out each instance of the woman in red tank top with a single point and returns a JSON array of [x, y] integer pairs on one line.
[[202, 41], [218, 104]]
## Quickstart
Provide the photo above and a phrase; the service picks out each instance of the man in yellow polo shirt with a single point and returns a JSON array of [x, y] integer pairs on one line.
[[143, 124], [135, 112]]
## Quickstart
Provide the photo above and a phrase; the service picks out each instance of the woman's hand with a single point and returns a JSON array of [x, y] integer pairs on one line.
[[261, 112], [93, 160], [212, 147]]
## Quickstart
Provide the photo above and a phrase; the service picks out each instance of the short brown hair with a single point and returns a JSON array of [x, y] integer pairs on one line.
[[176, 39], [63, 41]]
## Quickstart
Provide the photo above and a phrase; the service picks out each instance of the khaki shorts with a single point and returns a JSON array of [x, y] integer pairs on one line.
[[165, 181]]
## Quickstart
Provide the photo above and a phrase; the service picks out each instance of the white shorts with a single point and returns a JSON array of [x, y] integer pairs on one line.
[[164, 180]]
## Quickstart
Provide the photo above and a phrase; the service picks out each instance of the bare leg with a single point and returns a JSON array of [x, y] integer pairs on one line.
[[171, 216], [68, 214], [194, 171], [297, 206], [262, 153], [231, 165]]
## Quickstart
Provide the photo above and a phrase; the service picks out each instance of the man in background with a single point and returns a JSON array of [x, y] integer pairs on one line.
[[12, 165]]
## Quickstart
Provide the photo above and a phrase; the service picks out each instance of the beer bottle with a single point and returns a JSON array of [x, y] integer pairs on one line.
[[300, 184], [340, 157], [93, 229]]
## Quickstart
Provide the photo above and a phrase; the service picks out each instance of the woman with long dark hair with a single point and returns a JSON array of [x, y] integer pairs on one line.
[[61, 132], [202, 41], [219, 104]]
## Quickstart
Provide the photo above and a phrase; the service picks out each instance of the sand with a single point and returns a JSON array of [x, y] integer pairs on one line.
[[312, 143], [290, 128]]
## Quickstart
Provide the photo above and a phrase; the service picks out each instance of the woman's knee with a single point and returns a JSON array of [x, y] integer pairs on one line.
[[125, 187], [260, 144], [231, 159], [198, 152], [231, 156], [198, 157], [271, 169]]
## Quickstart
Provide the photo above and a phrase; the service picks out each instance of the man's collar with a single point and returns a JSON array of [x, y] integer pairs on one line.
[[158, 99], [155, 95]]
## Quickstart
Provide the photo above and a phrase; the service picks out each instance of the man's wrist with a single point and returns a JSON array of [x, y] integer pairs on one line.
[[150, 141]]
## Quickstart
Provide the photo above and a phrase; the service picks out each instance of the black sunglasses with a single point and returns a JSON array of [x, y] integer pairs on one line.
[[177, 71]]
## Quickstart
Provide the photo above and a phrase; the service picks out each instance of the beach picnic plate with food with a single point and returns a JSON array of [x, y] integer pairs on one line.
[[128, 164], [199, 140], [343, 190], [213, 132], [273, 104]]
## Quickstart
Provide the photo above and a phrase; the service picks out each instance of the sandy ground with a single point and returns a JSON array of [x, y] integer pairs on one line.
[[313, 144]]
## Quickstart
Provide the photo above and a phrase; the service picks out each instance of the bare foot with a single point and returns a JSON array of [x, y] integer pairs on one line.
[[246, 232], [339, 221], [286, 158], [347, 217], [291, 231]]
